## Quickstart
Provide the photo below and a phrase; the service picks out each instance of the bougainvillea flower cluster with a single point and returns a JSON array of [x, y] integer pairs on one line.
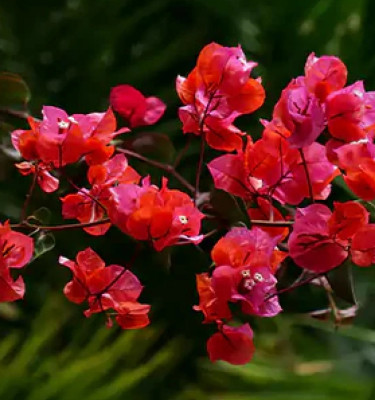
[[272, 168], [245, 264], [60, 139], [92, 205], [163, 216], [216, 92], [106, 287], [321, 130], [322, 239]]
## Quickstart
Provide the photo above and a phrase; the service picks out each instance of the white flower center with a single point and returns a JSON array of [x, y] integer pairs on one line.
[[258, 277], [249, 284], [183, 219], [63, 124], [245, 273]]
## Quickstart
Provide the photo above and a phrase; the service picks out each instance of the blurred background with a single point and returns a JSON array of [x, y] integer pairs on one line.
[[71, 52]]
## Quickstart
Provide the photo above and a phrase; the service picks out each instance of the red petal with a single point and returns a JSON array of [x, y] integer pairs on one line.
[[232, 344], [363, 246], [155, 109], [133, 315], [250, 98], [10, 290]]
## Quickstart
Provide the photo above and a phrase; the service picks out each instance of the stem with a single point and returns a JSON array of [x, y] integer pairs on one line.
[[29, 225], [331, 301], [201, 152], [29, 194], [199, 169], [280, 224], [296, 284], [14, 113], [304, 163], [263, 222], [80, 190], [164, 167]]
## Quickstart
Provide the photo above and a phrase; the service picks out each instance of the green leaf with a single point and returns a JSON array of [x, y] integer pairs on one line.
[[43, 243], [14, 93], [341, 281], [41, 216], [153, 145], [226, 207]]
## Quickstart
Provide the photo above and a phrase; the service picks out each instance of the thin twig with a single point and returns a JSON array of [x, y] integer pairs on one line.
[[296, 284], [263, 222], [164, 167], [29, 225], [199, 168], [267, 223], [15, 113], [82, 191], [202, 146], [29, 194]]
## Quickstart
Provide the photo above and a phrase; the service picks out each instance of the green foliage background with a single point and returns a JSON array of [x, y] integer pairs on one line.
[[70, 53]]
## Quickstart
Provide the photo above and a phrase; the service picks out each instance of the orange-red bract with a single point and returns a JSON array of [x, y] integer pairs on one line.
[[215, 93], [163, 216], [271, 167], [90, 206], [363, 246], [60, 139], [211, 306], [16, 250], [324, 74], [347, 219], [232, 344], [358, 163], [134, 107]]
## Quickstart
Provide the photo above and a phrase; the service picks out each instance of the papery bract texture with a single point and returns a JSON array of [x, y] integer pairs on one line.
[[164, 216], [112, 287], [215, 93], [16, 250], [232, 344], [134, 107], [311, 245]]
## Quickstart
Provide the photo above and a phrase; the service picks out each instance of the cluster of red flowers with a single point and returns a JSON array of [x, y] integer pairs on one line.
[[91, 205], [245, 264], [60, 139], [319, 130], [113, 287], [215, 93], [16, 250], [322, 239], [163, 216]]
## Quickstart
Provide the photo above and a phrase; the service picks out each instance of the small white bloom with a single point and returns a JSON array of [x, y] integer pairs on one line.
[[183, 219], [249, 284], [245, 273], [63, 124], [258, 277]]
